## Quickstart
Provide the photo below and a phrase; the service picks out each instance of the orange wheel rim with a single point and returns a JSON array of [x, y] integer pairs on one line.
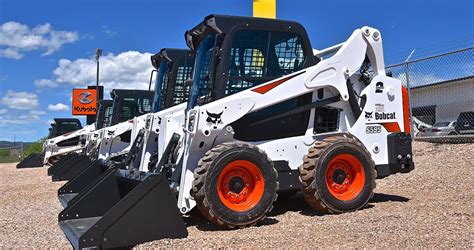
[[345, 177], [240, 185]]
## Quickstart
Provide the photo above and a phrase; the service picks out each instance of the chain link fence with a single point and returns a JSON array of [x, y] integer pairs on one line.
[[11, 153], [441, 91]]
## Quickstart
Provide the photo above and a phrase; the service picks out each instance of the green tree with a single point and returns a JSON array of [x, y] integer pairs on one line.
[[35, 147]]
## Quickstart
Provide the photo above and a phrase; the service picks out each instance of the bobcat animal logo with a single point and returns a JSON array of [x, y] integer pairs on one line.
[[368, 115], [214, 119]]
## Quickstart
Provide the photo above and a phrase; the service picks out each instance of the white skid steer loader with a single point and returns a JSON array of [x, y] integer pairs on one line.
[[127, 104], [174, 67], [266, 114], [60, 128]]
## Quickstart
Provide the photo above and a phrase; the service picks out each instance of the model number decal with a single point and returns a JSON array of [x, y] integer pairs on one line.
[[373, 129]]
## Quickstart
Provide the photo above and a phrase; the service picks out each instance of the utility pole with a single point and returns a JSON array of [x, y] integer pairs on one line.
[[98, 53]]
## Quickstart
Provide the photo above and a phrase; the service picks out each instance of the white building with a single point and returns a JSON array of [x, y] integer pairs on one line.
[[442, 101]]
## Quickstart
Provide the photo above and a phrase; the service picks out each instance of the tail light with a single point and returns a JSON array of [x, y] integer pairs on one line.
[[406, 110], [435, 130]]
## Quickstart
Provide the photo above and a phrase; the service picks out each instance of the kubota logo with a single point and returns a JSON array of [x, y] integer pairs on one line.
[[85, 97]]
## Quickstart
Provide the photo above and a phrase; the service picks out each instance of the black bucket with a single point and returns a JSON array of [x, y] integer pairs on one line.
[[72, 168], [123, 210], [32, 161], [64, 160], [79, 183]]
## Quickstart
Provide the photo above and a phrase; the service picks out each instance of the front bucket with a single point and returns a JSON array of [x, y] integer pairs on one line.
[[122, 211], [64, 160], [32, 161], [79, 183], [71, 169]]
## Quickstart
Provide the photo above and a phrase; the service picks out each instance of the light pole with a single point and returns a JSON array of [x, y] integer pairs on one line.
[[98, 53]]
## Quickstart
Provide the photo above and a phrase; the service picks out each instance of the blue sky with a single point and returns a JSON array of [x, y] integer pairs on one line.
[[46, 47]]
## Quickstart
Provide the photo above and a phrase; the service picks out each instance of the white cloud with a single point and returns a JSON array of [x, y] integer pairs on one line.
[[37, 112], [45, 83], [127, 70], [16, 38], [18, 119], [58, 107], [10, 53], [3, 111], [20, 100], [108, 31]]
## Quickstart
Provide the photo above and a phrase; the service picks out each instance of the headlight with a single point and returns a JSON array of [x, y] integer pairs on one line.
[[192, 120]]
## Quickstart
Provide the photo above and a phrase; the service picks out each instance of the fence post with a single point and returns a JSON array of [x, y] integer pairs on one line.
[[407, 77]]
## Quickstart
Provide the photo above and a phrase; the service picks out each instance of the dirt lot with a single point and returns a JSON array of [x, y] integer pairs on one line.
[[430, 207]]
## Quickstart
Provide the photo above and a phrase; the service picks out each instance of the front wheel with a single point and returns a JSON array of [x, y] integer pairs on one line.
[[235, 185], [337, 175]]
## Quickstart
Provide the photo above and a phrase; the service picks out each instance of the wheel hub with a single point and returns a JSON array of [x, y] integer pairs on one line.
[[236, 184], [240, 185], [345, 177], [339, 176]]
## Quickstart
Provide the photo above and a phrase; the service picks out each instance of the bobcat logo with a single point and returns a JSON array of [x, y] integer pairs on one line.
[[213, 119], [368, 115]]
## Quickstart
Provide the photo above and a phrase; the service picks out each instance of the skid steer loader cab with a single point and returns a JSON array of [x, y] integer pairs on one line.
[[174, 67], [65, 125], [236, 53], [104, 114], [129, 104]]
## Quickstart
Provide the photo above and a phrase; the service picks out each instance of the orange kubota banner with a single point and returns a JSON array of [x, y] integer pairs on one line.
[[84, 101]]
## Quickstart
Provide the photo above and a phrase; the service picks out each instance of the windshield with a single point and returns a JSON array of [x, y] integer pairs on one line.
[[202, 82], [68, 126], [160, 84]]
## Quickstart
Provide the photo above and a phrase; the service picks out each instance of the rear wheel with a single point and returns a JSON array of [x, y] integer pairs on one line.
[[235, 185], [337, 175]]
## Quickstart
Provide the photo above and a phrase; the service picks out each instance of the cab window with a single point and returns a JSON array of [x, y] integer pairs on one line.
[[259, 56]]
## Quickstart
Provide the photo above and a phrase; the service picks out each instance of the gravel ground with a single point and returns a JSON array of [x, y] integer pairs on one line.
[[430, 207]]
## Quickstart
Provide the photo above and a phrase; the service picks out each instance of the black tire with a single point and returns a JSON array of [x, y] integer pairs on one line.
[[453, 133], [210, 170], [315, 166]]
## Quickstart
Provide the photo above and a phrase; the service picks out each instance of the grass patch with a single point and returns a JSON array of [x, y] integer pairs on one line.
[[8, 159]]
